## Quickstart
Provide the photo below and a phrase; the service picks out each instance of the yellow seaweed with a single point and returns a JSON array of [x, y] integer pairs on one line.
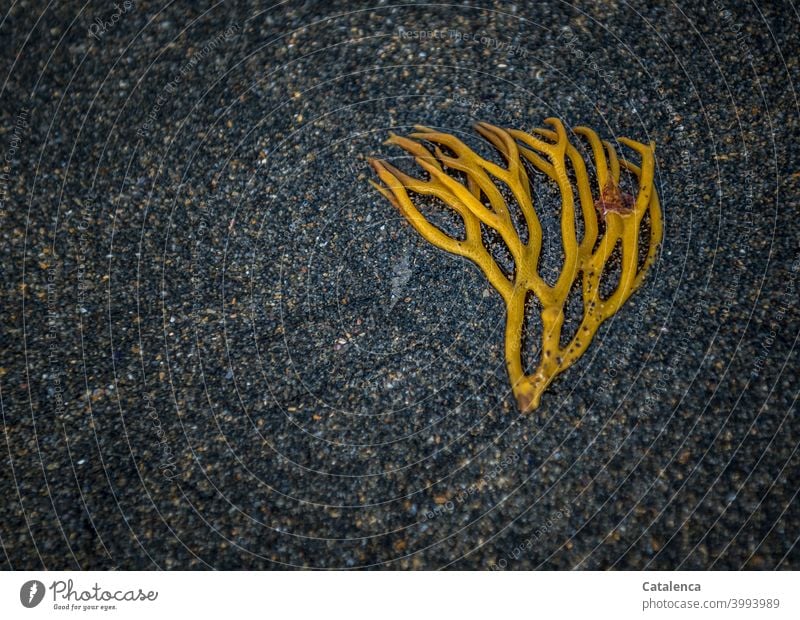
[[549, 151]]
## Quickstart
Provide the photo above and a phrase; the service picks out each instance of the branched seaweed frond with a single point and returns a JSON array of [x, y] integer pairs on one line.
[[548, 150]]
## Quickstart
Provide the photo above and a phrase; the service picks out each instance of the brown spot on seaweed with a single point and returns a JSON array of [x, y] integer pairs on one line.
[[614, 200]]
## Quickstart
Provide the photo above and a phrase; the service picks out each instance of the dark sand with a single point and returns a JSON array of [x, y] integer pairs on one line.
[[222, 348]]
